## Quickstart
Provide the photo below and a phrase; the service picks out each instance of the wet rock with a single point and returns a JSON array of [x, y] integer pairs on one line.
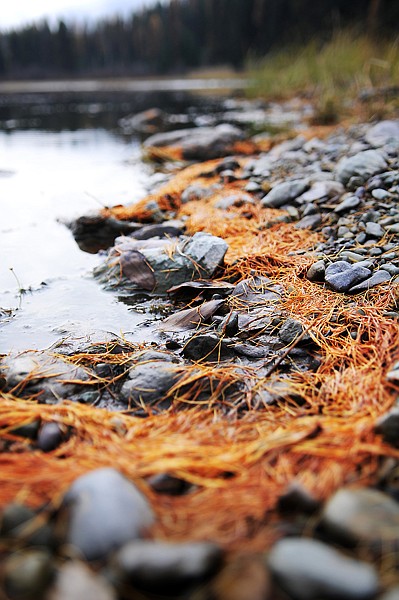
[[50, 437], [41, 374], [341, 276], [362, 165], [364, 517], [200, 143], [256, 290], [317, 271], [27, 574], [95, 232], [309, 570], [191, 318], [383, 133], [243, 578], [168, 264], [148, 382], [165, 567], [377, 278], [208, 347], [284, 193], [75, 581], [105, 511], [388, 425]]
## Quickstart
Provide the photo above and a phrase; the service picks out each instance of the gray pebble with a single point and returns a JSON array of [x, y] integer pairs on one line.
[[342, 278], [149, 382], [377, 278], [317, 271], [347, 205], [291, 330], [50, 437], [361, 165], [284, 193], [310, 570], [374, 230]]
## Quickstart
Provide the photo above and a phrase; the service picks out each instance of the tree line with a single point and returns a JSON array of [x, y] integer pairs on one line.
[[183, 34]]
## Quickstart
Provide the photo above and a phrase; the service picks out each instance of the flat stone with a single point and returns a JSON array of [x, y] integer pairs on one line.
[[377, 278], [41, 374], [309, 570], [382, 133], [381, 194], [364, 517], [159, 566], [347, 205], [105, 512], [317, 271], [374, 230], [284, 193], [322, 189], [362, 165], [76, 581], [148, 383], [309, 222], [341, 278]]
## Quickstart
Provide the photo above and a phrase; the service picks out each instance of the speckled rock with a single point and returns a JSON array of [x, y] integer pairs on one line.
[[105, 512], [310, 570], [362, 165], [365, 517]]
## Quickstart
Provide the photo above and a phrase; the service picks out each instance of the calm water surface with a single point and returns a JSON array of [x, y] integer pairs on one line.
[[59, 161]]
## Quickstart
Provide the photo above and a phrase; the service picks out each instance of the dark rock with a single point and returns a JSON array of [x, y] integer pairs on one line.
[[317, 271], [163, 483], [157, 230], [229, 326], [105, 511], [199, 143], [28, 431], [208, 347], [257, 290], [377, 278], [309, 570], [94, 232], [20, 523], [362, 166], [148, 382], [158, 567], [309, 222], [41, 374], [341, 276], [251, 352], [191, 318], [75, 581], [284, 193], [50, 437], [365, 517], [291, 330], [388, 426], [297, 499], [27, 574]]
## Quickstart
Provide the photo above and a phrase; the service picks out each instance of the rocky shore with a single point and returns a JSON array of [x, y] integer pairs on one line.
[[251, 449]]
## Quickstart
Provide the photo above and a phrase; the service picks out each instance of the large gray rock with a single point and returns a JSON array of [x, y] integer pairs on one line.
[[310, 570], [105, 512], [156, 265], [199, 143], [362, 165], [284, 193], [384, 132], [365, 517], [341, 276], [149, 382], [160, 567], [41, 374], [377, 278]]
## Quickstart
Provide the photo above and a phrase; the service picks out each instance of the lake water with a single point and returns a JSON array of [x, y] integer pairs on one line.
[[62, 157]]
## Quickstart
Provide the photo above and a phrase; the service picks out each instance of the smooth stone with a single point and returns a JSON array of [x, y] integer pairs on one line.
[[388, 425], [148, 382], [75, 581], [377, 278], [363, 517], [374, 230], [347, 278], [383, 133], [347, 204], [309, 222], [160, 566], [27, 574], [354, 257], [291, 330], [381, 194], [322, 189], [50, 437], [391, 269], [317, 271], [362, 165], [41, 374], [340, 266], [105, 512], [310, 570], [284, 193]]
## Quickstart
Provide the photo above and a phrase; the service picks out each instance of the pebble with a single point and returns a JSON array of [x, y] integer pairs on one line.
[[341, 276], [365, 517], [383, 133], [309, 222], [50, 437], [284, 193], [208, 347], [148, 383], [159, 566], [348, 204], [291, 330], [310, 570], [377, 278], [105, 512], [374, 230], [361, 165], [317, 271]]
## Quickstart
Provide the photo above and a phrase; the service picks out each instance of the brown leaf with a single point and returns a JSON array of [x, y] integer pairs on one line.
[[191, 289], [190, 318], [136, 269]]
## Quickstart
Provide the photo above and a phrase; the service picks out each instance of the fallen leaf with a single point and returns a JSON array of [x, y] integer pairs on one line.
[[190, 318], [135, 267]]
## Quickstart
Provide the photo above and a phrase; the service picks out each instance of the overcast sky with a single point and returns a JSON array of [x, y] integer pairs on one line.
[[15, 13]]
